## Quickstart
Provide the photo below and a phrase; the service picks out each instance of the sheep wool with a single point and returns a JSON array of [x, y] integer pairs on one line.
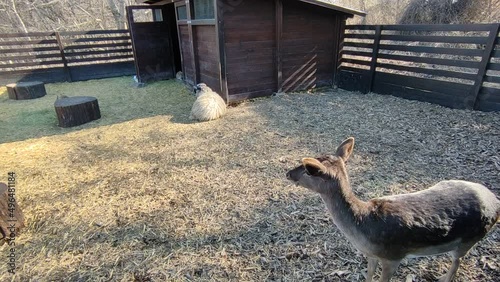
[[208, 105]]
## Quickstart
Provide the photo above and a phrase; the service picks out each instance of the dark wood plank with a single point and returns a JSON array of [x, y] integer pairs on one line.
[[92, 46], [249, 95], [429, 60], [94, 32], [98, 52], [355, 61], [30, 57], [279, 44], [436, 72], [420, 95], [221, 56], [438, 27], [30, 34], [97, 59], [432, 50], [427, 84], [483, 67], [31, 64], [29, 42], [373, 63], [492, 79], [359, 27], [431, 38], [96, 39], [360, 36], [26, 50]]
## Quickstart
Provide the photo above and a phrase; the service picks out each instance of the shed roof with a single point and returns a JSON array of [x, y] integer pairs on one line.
[[320, 3]]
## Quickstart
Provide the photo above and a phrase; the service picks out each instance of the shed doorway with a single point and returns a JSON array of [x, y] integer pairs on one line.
[[155, 42]]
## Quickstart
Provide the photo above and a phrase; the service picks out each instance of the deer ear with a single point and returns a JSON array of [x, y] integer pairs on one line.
[[345, 149], [313, 166]]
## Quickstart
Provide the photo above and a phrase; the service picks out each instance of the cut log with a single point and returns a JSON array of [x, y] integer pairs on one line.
[[11, 217], [73, 111], [26, 90]]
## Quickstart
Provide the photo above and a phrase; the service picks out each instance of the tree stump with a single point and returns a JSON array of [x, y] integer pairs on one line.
[[26, 90], [73, 111], [11, 217]]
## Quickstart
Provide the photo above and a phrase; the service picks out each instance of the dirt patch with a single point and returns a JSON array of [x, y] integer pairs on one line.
[[151, 199]]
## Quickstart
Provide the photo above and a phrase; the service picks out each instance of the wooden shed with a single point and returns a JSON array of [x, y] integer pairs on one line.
[[240, 48]]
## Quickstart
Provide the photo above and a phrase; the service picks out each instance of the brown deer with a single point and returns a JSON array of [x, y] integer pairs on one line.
[[449, 217]]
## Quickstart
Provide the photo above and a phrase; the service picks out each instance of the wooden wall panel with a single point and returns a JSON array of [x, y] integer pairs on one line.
[[308, 47], [187, 56], [250, 45], [207, 56]]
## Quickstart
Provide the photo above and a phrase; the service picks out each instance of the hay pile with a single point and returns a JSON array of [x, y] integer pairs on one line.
[[158, 198]]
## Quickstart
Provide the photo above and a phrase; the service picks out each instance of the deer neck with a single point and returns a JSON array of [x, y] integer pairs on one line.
[[346, 209]]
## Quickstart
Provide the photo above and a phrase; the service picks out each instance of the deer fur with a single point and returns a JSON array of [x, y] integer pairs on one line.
[[449, 217], [208, 105]]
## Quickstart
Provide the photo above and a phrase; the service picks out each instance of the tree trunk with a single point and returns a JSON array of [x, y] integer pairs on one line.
[[77, 110], [26, 90]]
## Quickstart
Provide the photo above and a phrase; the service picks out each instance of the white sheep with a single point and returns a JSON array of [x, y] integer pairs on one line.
[[208, 105]]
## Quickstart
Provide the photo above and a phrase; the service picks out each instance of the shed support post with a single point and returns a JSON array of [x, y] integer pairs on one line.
[[192, 41], [279, 39], [373, 64], [219, 30], [63, 57], [473, 103], [337, 55]]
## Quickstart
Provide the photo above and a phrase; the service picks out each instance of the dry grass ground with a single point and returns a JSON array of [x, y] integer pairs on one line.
[[145, 195]]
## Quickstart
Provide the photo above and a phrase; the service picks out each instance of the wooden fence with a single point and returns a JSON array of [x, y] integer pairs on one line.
[[457, 66], [65, 56]]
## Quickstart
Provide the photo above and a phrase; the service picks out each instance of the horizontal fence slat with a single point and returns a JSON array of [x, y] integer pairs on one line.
[[98, 52], [356, 53], [30, 34], [93, 32], [443, 39], [31, 64], [424, 83], [23, 50], [359, 36], [95, 39], [92, 46], [29, 57], [492, 79], [438, 27], [359, 27], [496, 53], [432, 50], [494, 66], [70, 61], [435, 97], [428, 60], [28, 42], [453, 74], [358, 45], [354, 61], [353, 69]]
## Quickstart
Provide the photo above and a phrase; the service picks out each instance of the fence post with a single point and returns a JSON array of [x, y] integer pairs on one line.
[[63, 57], [373, 64], [483, 67]]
